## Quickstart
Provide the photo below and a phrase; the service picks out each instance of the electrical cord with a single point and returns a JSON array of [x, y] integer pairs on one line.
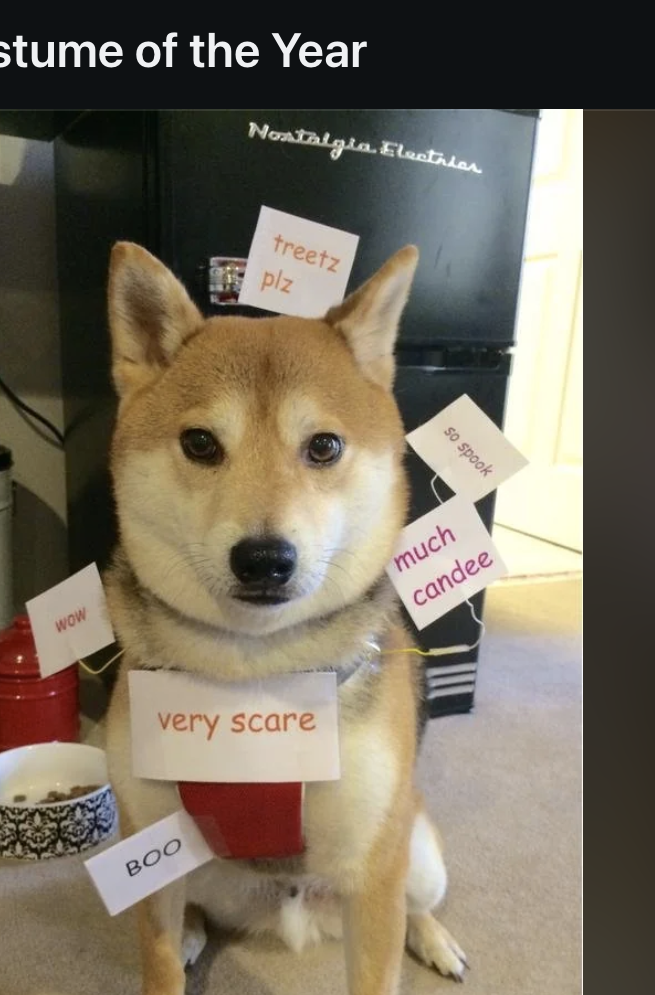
[[33, 414]]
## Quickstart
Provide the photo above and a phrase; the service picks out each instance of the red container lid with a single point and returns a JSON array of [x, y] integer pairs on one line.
[[18, 657]]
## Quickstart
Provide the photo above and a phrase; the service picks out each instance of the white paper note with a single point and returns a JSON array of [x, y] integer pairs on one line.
[[466, 449], [296, 266], [147, 861], [70, 621], [442, 559], [282, 728]]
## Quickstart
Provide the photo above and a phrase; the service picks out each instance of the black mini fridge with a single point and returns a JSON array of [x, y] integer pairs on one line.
[[188, 185]]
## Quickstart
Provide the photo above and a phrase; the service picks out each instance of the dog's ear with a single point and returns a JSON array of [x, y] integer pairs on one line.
[[150, 316], [369, 317]]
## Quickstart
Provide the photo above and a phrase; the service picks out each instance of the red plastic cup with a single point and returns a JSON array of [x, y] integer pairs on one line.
[[246, 820]]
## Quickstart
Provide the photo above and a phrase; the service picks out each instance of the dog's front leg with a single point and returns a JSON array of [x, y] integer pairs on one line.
[[161, 920], [374, 930]]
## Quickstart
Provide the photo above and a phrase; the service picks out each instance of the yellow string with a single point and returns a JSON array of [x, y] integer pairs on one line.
[[420, 652], [88, 669]]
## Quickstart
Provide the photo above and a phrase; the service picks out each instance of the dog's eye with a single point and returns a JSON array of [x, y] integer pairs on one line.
[[323, 448], [200, 445]]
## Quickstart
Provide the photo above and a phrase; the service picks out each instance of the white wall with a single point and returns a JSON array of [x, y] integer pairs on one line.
[[30, 362]]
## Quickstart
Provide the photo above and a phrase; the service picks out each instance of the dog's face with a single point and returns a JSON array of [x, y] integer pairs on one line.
[[257, 463]]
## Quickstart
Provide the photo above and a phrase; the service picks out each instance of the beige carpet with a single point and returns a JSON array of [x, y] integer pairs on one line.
[[504, 783]]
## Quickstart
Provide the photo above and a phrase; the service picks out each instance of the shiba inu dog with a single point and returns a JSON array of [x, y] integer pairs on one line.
[[259, 484]]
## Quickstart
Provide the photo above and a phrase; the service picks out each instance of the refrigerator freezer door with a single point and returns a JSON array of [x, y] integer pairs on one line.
[[453, 182]]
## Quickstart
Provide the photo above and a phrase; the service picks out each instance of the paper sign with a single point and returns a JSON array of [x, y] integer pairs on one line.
[[296, 266], [442, 559], [70, 621], [147, 861], [466, 449], [283, 728]]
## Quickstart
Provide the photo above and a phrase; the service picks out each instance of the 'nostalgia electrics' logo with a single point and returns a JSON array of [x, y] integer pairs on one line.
[[393, 150]]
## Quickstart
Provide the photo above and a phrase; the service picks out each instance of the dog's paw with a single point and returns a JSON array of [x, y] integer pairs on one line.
[[434, 945], [194, 937]]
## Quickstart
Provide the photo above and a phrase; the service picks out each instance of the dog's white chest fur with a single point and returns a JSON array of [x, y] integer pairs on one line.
[[301, 909]]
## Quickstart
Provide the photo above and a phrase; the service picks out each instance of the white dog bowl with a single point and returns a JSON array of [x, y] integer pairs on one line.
[[34, 829]]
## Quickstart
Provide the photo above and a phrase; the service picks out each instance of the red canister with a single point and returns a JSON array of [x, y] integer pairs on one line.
[[34, 709]]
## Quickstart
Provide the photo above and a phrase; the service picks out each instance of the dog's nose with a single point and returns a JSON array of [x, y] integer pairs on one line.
[[263, 561]]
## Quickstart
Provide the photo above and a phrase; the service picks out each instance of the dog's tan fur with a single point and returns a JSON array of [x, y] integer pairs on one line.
[[263, 387]]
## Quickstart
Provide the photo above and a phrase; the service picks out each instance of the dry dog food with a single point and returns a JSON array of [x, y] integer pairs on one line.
[[62, 796]]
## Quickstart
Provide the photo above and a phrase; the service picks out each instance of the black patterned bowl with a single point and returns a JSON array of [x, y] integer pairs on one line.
[[32, 828]]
